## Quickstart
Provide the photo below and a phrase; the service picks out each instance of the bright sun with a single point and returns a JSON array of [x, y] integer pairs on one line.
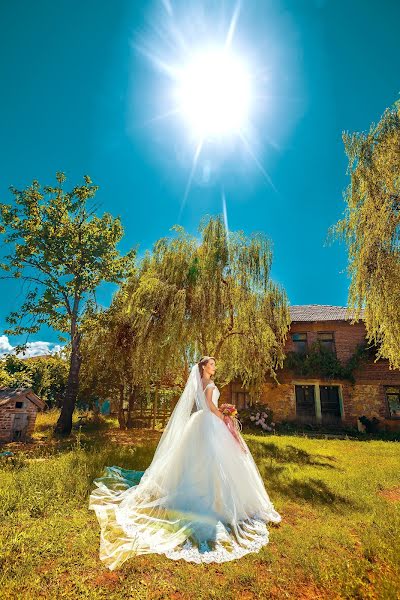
[[214, 94], [214, 89]]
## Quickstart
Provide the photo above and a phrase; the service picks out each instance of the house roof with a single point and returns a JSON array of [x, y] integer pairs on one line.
[[7, 394], [322, 312]]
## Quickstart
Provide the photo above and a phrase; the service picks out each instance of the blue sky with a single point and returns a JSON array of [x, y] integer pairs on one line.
[[79, 93]]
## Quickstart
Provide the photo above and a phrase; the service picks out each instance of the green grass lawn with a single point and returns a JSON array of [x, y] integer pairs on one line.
[[339, 536]]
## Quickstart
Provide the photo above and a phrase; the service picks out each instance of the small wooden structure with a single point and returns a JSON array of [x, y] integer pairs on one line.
[[18, 409]]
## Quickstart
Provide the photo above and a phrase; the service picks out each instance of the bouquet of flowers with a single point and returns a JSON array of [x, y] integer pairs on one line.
[[232, 422], [228, 410]]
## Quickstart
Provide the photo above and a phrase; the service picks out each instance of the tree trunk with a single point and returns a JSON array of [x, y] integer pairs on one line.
[[121, 417], [155, 407], [131, 405], [64, 423]]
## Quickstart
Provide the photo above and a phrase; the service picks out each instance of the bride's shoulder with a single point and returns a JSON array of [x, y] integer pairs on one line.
[[211, 384]]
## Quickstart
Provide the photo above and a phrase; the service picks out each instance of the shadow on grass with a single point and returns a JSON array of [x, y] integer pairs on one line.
[[89, 436], [291, 454], [314, 491]]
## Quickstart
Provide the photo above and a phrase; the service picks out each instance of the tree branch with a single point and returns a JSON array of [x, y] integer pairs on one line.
[[57, 285], [219, 345]]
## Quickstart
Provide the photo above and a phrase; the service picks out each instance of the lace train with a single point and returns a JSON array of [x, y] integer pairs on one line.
[[130, 526]]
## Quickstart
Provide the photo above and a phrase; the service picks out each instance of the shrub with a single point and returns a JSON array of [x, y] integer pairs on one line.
[[371, 425], [258, 416]]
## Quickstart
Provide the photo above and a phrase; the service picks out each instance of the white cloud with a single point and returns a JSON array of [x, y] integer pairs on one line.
[[5, 345], [33, 348]]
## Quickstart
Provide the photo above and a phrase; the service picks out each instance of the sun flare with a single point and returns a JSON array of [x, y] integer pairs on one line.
[[214, 93]]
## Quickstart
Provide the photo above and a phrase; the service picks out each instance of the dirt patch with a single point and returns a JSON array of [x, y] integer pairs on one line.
[[127, 437], [136, 437], [392, 494], [110, 580], [294, 514]]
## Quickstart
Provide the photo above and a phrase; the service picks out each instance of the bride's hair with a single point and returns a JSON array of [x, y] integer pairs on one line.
[[202, 363]]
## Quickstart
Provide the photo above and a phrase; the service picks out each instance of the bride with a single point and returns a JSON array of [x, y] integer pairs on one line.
[[202, 499]]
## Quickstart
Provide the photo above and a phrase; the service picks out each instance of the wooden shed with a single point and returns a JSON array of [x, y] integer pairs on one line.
[[18, 409]]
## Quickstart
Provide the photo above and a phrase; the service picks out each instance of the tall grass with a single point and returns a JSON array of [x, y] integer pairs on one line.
[[339, 538]]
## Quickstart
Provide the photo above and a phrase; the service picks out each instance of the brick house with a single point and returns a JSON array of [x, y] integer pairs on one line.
[[375, 391], [18, 409]]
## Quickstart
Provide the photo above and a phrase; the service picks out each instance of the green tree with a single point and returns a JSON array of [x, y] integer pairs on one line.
[[109, 335], [15, 372], [188, 297], [46, 375], [64, 251], [371, 229], [214, 296], [49, 376], [136, 366], [5, 378]]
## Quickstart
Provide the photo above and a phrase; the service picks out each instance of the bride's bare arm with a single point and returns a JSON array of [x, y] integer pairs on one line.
[[211, 405]]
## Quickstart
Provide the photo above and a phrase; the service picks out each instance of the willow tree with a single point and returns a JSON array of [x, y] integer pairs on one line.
[[64, 251], [108, 351], [214, 296], [120, 361], [371, 229]]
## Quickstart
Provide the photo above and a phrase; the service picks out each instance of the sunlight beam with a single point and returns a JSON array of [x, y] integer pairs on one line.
[[257, 162], [190, 179]]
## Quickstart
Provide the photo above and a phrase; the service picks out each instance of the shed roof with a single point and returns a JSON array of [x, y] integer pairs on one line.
[[322, 312], [7, 394]]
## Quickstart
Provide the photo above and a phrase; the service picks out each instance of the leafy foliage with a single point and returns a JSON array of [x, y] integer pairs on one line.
[[371, 425], [59, 245], [371, 229], [322, 362], [47, 376], [212, 296]]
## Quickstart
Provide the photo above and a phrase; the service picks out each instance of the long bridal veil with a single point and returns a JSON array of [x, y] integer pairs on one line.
[[201, 499]]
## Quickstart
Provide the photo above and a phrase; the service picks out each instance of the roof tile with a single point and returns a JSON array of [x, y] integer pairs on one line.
[[322, 312]]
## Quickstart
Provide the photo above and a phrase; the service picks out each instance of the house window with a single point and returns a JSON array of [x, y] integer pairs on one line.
[[19, 405], [240, 399], [299, 342], [305, 401], [393, 400], [327, 340], [330, 402]]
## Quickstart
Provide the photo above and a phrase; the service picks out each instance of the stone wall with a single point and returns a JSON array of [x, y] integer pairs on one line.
[[357, 400]]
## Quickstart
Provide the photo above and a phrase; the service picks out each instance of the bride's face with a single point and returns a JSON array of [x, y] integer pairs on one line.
[[210, 368]]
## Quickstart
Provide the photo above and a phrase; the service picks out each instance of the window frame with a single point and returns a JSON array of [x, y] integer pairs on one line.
[[386, 387], [306, 385], [332, 333], [294, 342], [235, 396]]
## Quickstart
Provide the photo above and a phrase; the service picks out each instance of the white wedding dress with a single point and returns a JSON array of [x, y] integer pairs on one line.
[[202, 499]]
